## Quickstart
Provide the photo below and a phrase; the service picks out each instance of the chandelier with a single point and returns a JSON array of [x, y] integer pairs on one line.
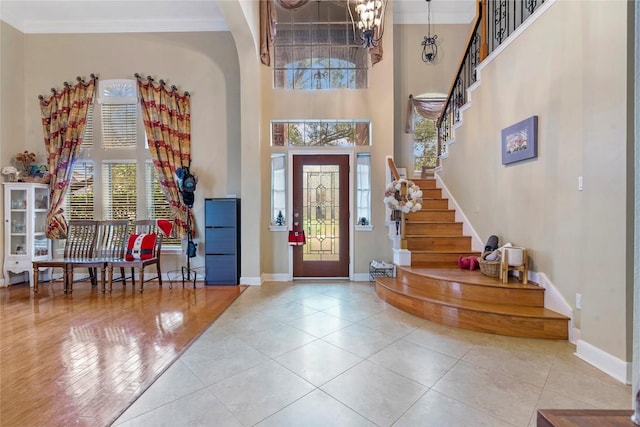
[[369, 25], [429, 46]]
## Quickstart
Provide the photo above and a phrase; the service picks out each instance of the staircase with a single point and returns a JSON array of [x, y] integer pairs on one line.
[[433, 236], [434, 288]]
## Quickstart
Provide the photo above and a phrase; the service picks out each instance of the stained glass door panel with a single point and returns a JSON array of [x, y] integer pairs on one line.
[[321, 208]]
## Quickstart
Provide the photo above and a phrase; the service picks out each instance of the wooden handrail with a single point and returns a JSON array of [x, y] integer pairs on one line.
[[474, 28], [481, 11], [392, 167], [494, 23], [403, 192]]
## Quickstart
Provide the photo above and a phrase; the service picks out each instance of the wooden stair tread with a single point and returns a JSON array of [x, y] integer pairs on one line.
[[500, 309], [472, 277], [447, 251]]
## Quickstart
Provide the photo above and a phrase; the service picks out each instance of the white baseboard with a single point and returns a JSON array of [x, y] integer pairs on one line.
[[275, 277], [252, 281], [607, 363], [476, 243], [360, 277]]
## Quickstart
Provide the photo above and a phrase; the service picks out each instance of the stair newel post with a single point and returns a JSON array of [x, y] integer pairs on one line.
[[403, 196]]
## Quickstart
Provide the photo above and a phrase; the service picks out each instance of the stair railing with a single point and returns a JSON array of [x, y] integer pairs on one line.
[[494, 22], [398, 215]]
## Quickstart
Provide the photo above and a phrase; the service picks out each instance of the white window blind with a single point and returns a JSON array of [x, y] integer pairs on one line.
[[87, 138], [119, 190], [79, 200], [119, 111], [119, 125]]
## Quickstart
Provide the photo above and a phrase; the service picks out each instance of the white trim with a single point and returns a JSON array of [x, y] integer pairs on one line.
[[364, 228], [609, 364], [275, 277], [476, 243], [278, 228], [361, 277], [401, 256], [513, 36], [118, 26], [252, 281]]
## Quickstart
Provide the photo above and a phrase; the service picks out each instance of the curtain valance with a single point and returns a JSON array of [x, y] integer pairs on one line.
[[427, 108]]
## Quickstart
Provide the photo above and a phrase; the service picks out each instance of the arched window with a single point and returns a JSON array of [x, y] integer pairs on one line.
[[115, 165], [314, 49]]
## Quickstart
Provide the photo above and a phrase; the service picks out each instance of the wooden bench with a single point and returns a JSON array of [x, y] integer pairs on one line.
[[89, 244]]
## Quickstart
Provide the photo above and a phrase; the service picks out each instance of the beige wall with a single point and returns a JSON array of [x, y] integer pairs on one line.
[[205, 64], [569, 69], [376, 103], [12, 101], [242, 18], [414, 77]]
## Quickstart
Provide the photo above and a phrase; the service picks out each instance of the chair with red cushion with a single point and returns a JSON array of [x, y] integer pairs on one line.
[[143, 248]]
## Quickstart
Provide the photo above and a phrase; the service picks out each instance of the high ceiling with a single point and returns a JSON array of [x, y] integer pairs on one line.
[[112, 16]]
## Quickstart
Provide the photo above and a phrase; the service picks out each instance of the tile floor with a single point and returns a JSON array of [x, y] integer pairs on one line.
[[333, 354]]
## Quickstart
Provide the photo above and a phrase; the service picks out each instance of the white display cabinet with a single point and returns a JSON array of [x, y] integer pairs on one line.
[[25, 212]]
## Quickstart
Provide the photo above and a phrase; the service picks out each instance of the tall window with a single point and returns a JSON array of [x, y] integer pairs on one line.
[[119, 184], [278, 189], [363, 188], [425, 143], [314, 49], [79, 202], [109, 183]]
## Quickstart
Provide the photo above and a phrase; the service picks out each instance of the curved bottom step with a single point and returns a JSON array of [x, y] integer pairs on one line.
[[500, 319]]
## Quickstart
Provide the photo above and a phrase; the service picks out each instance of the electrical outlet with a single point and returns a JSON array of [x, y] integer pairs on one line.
[[580, 183], [578, 301]]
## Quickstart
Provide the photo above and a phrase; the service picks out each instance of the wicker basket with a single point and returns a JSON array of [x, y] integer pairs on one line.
[[489, 268]]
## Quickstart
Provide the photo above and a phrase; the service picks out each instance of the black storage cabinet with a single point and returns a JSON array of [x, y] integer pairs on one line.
[[222, 241]]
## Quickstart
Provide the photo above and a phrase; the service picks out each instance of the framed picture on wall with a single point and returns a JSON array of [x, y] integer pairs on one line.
[[520, 141]]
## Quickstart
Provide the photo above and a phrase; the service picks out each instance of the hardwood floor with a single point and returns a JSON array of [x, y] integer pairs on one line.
[[81, 359]]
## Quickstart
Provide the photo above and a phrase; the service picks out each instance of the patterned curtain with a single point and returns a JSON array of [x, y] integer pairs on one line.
[[167, 122], [64, 116]]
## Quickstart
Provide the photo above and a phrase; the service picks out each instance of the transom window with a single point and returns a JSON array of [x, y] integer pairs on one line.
[[314, 49], [318, 133]]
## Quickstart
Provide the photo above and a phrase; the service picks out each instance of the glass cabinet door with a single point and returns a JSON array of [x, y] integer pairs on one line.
[[41, 203], [18, 218]]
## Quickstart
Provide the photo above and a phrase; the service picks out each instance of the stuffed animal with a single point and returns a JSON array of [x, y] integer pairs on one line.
[[468, 262]]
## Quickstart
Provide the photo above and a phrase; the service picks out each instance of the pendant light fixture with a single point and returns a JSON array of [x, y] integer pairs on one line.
[[429, 46]]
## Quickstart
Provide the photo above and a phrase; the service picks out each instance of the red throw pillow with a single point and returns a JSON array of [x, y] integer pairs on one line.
[[140, 246]]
